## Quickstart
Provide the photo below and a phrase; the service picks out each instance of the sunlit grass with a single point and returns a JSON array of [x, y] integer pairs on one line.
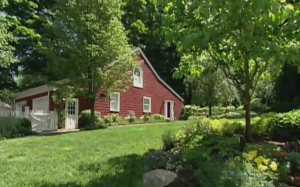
[[100, 158]]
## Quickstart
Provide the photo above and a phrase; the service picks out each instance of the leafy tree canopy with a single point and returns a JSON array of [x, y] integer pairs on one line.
[[248, 40]]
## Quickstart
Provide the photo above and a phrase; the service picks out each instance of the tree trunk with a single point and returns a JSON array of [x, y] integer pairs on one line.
[[209, 110], [247, 104], [92, 109]]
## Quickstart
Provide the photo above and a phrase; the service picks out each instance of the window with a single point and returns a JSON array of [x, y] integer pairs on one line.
[[147, 104], [71, 110], [138, 77], [115, 102]]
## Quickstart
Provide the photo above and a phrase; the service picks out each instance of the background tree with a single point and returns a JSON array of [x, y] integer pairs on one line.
[[143, 21], [210, 88], [7, 57], [33, 17], [246, 39], [91, 49]]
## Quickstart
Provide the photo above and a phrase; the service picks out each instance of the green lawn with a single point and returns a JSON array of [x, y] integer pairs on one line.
[[100, 158]]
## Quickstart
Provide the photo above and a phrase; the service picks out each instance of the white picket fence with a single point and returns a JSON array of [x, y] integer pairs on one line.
[[40, 120]]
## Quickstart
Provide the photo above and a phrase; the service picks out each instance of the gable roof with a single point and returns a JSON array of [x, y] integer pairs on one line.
[[45, 88], [137, 49]]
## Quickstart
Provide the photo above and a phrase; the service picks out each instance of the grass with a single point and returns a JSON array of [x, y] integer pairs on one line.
[[100, 158]]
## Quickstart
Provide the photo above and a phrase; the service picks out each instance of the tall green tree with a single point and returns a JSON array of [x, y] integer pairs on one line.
[[8, 59], [210, 88], [33, 20], [248, 40], [91, 49]]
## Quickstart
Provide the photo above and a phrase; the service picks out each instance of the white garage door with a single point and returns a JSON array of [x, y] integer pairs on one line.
[[40, 104]]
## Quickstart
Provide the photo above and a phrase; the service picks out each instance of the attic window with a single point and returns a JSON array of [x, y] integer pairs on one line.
[[138, 77]]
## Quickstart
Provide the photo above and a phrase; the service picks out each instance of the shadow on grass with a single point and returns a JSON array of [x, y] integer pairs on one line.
[[125, 171]]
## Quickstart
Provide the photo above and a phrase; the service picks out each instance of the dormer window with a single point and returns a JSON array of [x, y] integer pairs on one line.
[[138, 77]]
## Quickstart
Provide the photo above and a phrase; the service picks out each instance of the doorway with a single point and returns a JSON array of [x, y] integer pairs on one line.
[[72, 114], [169, 109]]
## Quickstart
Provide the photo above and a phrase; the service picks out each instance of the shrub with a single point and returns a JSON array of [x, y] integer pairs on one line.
[[258, 106], [259, 126], [158, 117], [99, 124], [191, 110], [86, 121], [111, 119], [131, 116], [145, 117], [195, 118], [12, 126], [168, 140], [285, 126], [85, 118], [228, 115]]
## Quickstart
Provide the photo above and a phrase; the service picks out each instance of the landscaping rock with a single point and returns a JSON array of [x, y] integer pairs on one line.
[[159, 178]]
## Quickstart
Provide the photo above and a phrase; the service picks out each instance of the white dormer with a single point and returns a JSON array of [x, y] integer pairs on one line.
[[138, 77]]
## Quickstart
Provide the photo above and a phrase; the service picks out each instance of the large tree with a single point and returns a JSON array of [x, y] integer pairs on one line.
[[8, 59], [246, 39], [91, 49], [210, 88], [33, 20]]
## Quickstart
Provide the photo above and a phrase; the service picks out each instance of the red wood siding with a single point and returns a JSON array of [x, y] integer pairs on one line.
[[30, 98], [132, 99]]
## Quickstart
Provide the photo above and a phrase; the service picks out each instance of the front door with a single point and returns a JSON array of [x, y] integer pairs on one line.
[[72, 114], [169, 109]]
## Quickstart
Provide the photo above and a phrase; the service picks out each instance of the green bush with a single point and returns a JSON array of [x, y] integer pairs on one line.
[[258, 106], [285, 126], [168, 140], [99, 124], [111, 119], [260, 126], [86, 121], [145, 117], [12, 126], [157, 117], [131, 116], [191, 110], [85, 118]]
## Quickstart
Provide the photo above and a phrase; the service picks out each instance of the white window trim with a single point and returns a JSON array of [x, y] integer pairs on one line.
[[118, 103], [142, 78], [149, 98]]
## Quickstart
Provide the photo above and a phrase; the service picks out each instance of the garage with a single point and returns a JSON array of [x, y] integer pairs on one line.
[[40, 103]]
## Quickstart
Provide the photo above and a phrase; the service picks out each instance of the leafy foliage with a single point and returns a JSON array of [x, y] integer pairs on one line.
[[285, 126], [248, 40], [91, 49], [85, 120]]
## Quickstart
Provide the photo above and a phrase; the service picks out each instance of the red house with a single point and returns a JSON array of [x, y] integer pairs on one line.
[[147, 94]]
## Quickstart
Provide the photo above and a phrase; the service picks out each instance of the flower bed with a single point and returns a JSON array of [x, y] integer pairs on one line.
[[203, 156]]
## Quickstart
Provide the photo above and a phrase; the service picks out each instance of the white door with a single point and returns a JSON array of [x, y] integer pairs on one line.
[[72, 114], [169, 109], [40, 104]]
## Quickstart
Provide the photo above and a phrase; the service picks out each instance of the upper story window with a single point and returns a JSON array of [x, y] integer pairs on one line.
[[138, 77]]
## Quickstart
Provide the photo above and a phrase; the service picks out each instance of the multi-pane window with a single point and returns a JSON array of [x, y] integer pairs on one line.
[[71, 108], [147, 104], [115, 102]]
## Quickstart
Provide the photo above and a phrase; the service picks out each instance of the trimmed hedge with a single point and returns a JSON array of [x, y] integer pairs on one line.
[[11, 127]]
